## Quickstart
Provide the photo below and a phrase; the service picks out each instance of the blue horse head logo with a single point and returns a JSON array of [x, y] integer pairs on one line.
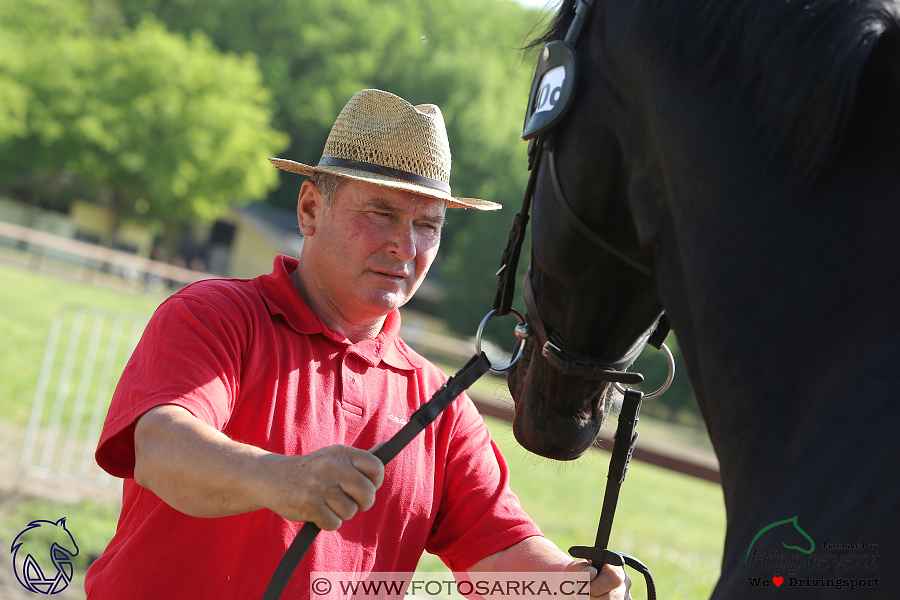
[[42, 556]]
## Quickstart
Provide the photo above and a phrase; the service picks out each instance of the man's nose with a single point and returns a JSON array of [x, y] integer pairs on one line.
[[403, 241]]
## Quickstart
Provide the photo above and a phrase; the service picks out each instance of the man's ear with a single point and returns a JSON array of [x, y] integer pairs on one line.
[[310, 206]]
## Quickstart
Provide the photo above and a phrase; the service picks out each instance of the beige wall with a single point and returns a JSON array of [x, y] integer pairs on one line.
[[98, 220], [251, 253]]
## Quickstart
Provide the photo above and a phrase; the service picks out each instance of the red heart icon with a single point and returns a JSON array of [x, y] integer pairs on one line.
[[778, 581]]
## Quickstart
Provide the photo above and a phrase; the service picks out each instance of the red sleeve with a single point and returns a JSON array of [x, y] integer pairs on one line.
[[479, 514], [189, 355]]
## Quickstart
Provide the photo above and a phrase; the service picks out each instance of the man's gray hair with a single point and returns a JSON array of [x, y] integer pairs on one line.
[[328, 184]]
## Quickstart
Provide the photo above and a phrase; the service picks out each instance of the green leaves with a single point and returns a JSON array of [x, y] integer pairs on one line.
[[142, 115]]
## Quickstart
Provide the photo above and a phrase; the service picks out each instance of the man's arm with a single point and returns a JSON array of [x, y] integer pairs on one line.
[[537, 554], [200, 471]]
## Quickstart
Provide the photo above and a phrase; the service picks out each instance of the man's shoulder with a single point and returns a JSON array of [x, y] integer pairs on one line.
[[217, 286], [221, 295]]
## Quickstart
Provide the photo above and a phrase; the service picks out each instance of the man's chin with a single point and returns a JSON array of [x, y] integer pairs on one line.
[[382, 302]]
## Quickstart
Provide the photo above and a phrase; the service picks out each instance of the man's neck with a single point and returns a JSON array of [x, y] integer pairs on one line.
[[325, 310]]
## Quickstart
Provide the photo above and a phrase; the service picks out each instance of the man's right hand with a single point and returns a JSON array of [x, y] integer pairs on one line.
[[326, 487], [200, 471]]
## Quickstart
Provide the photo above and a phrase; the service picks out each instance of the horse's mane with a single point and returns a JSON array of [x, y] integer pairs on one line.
[[795, 63]]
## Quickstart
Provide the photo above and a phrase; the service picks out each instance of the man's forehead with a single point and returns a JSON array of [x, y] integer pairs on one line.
[[374, 197]]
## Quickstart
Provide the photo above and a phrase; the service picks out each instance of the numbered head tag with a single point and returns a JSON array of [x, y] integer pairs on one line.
[[551, 91]]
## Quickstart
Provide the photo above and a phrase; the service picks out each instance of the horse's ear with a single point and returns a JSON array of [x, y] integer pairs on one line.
[[61, 523], [876, 114]]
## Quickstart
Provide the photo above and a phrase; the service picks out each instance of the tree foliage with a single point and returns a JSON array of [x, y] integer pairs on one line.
[[160, 105], [143, 119], [136, 105]]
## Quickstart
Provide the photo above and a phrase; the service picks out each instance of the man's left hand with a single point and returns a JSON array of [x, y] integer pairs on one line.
[[538, 554], [610, 583]]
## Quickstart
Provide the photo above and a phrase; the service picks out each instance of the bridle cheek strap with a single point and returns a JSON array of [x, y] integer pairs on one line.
[[509, 258]]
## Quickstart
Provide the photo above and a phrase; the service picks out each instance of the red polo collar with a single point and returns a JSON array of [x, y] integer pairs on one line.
[[282, 298]]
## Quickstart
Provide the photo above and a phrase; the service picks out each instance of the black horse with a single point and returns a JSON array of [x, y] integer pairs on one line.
[[748, 152]]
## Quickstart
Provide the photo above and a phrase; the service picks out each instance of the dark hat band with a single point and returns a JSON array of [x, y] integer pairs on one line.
[[359, 165]]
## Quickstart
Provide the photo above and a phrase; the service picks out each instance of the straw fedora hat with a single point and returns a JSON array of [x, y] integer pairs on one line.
[[381, 138]]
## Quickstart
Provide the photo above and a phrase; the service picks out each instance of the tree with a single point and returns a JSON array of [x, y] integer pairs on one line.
[[150, 122], [24, 27]]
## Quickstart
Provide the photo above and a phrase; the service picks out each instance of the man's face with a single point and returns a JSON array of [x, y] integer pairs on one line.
[[367, 254]]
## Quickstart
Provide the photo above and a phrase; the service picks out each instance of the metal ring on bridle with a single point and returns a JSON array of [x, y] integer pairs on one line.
[[520, 345], [668, 381]]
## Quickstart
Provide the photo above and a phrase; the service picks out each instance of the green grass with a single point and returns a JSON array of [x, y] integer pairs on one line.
[[28, 302]]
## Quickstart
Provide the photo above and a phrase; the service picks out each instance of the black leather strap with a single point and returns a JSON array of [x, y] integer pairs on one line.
[[659, 335], [623, 447], [476, 367], [509, 258], [428, 412], [569, 362], [611, 557]]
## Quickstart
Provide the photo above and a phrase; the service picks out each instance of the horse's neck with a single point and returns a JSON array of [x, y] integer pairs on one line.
[[792, 346], [792, 444]]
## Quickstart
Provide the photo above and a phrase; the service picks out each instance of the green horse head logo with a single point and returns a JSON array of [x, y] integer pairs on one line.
[[792, 521]]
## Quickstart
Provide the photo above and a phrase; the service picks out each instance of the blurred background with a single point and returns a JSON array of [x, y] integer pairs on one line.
[[133, 145]]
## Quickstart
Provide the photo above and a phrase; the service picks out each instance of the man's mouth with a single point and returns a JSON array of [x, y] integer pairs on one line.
[[392, 275]]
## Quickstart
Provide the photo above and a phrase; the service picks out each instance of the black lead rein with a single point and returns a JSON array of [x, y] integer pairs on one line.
[[477, 366], [623, 447]]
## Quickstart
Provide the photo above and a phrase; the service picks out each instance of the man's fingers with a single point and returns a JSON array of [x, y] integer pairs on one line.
[[326, 487], [609, 583], [342, 504], [369, 465], [612, 583], [359, 489]]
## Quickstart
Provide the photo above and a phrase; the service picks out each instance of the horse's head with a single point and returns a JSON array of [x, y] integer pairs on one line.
[[694, 129], [590, 295]]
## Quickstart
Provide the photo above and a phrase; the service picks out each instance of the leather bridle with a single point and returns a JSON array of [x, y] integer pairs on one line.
[[538, 124], [557, 67]]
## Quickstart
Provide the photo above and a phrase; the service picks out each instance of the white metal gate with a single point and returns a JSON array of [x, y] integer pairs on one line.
[[87, 348]]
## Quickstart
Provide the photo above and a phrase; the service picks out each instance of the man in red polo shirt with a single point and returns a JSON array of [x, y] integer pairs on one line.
[[249, 406]]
